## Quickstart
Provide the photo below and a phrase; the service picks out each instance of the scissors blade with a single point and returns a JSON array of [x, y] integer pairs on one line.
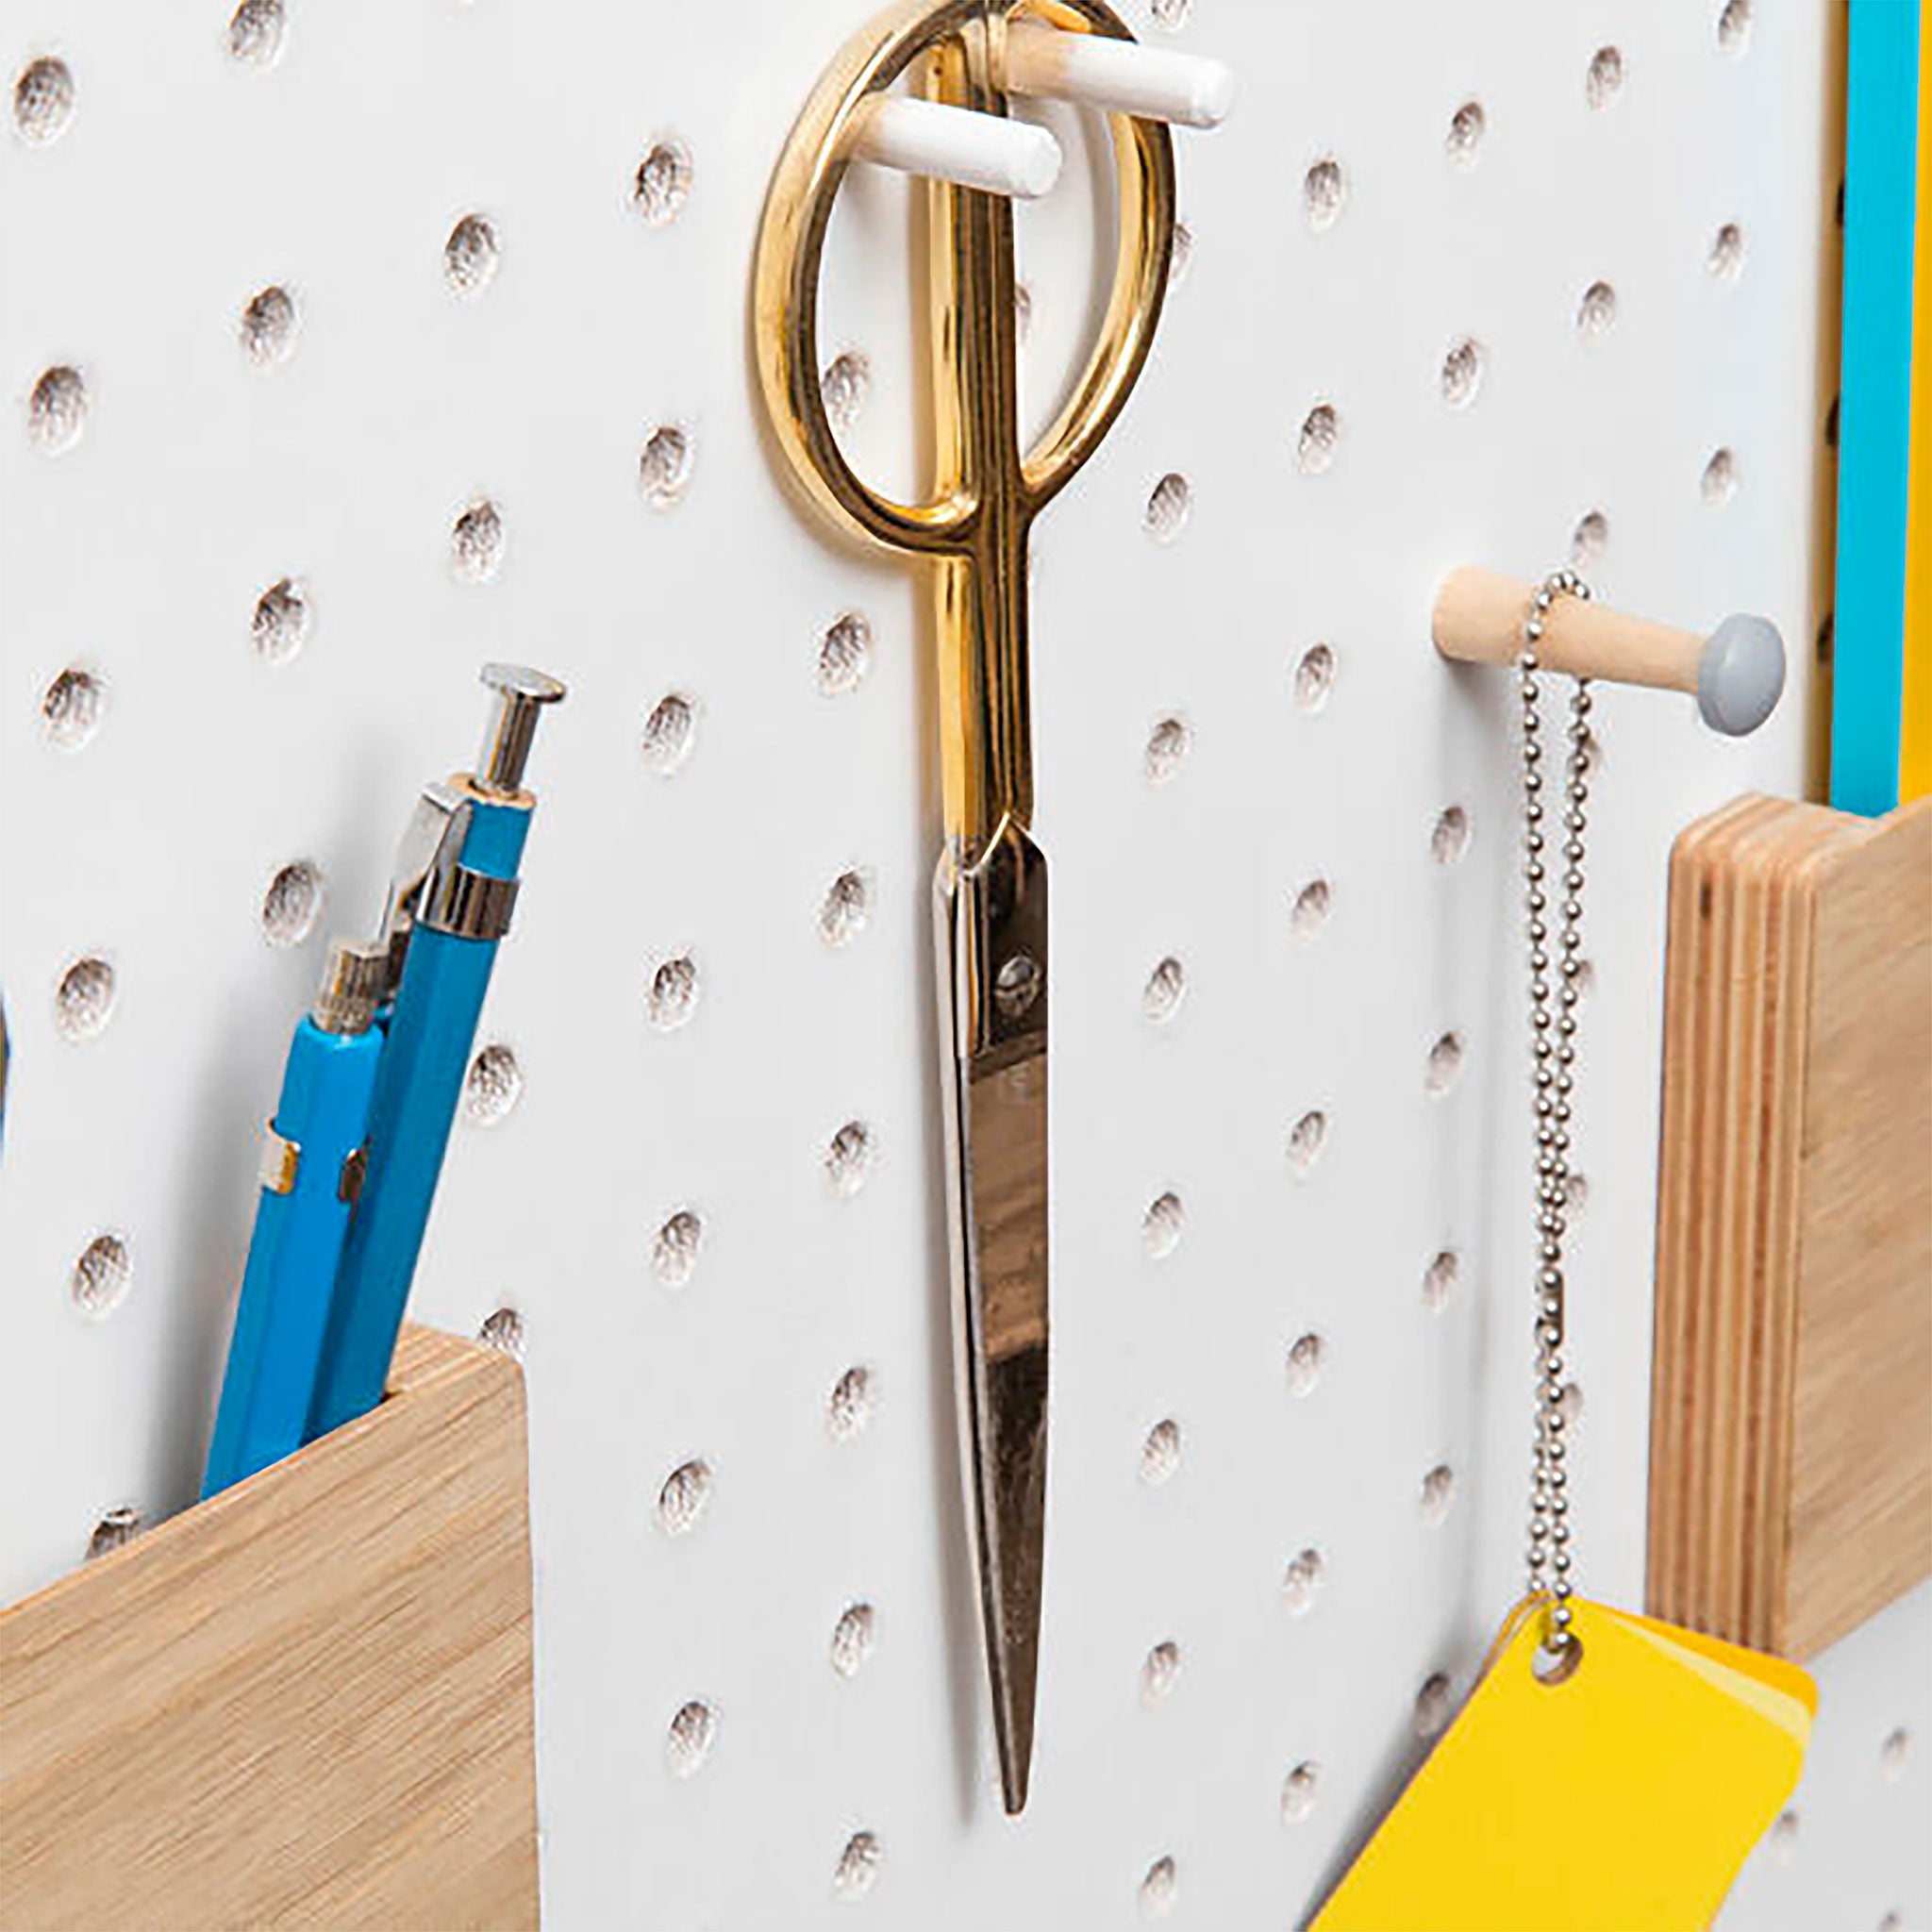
[[992, 934]]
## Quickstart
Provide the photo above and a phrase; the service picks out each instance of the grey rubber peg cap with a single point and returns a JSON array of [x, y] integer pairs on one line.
[[1741, 675]]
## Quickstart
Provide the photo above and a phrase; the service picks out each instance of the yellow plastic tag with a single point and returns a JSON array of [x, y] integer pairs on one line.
[[1622, 1799]]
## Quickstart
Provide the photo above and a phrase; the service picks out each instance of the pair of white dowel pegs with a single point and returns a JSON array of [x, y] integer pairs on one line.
[[1015, 157], [1737, 674]]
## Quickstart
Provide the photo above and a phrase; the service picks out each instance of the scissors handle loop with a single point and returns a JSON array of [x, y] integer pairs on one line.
[[790, 253]]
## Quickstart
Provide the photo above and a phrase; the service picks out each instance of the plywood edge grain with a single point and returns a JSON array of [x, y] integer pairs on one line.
[[1710, 894], [307, 1700]]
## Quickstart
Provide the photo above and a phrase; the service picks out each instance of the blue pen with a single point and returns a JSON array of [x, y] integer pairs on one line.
[[449, 907], [311, 1165]]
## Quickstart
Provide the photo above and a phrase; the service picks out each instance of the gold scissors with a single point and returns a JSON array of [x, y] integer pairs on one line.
[[991, 889]]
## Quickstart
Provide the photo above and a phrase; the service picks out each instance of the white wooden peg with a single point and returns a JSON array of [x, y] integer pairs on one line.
[[1124, 77], [984, 151], [1737, 674]]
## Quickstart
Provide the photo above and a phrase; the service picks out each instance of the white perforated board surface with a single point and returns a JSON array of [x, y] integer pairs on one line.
[[186, 181]]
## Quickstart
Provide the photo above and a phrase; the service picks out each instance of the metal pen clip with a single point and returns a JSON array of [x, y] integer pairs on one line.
[[433, 838]]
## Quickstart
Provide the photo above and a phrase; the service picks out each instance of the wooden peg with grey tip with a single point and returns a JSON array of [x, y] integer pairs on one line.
[[1737, 674]]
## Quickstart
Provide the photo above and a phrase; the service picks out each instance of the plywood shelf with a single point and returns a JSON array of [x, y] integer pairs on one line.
[[1790, 1480], [307, 1700]]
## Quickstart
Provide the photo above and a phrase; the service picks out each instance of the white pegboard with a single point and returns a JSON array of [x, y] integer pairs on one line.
[[188, 180]]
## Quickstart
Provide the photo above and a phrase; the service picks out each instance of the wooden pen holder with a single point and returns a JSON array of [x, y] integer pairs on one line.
[[306, 1699]]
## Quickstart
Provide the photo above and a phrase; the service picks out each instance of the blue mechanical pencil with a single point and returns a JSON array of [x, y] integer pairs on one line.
[[449, 907], [311, 1165]]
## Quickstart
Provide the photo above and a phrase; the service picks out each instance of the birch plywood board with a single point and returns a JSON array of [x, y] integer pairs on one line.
[[1791, 1457], [307, 1700]]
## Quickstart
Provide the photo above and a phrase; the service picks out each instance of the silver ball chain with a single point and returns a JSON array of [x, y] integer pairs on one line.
[[1553, 1043]]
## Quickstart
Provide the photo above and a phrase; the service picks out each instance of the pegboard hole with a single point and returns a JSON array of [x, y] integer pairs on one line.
[[1324, 189], [101, 1277], [1449, 838], [845, 908], [1160, 1672], [1462, 372], [683, 1499], [1604, 80], [44, 99], [1315, 446], [56, 410], [255, 29], [1726, 257], [279, 627], [1168, 506], [269, 327], [844, 654], [84, 1000], [1314, 677], [1298, 1791], [292, 903], [664, 468], [1440, 1279], [1305, 1360], [1783, 1841], [672, 995], [1160, 1887], [1162, 1224], [476, 543], [662, 184], [1596, 314], [1166, 988], [845, 385], [668, 733], [1445, 1064], [1894, 1754], [849, 1159], [675, 1250], [471, 255], [1467, 126], [1183, 255], [493, 1086], [1301, 1581], [1734, 27], [858, 1869], [503, 1330], [1719, 483], [1589, 539], [849, 1407], [1313, 904], [1306, 1141], [1161, 1454], [114, 1531], [853, 1636], [1439, 1492], [1433, 1706], [689, 1739], [71, 708], [1168, 743]]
